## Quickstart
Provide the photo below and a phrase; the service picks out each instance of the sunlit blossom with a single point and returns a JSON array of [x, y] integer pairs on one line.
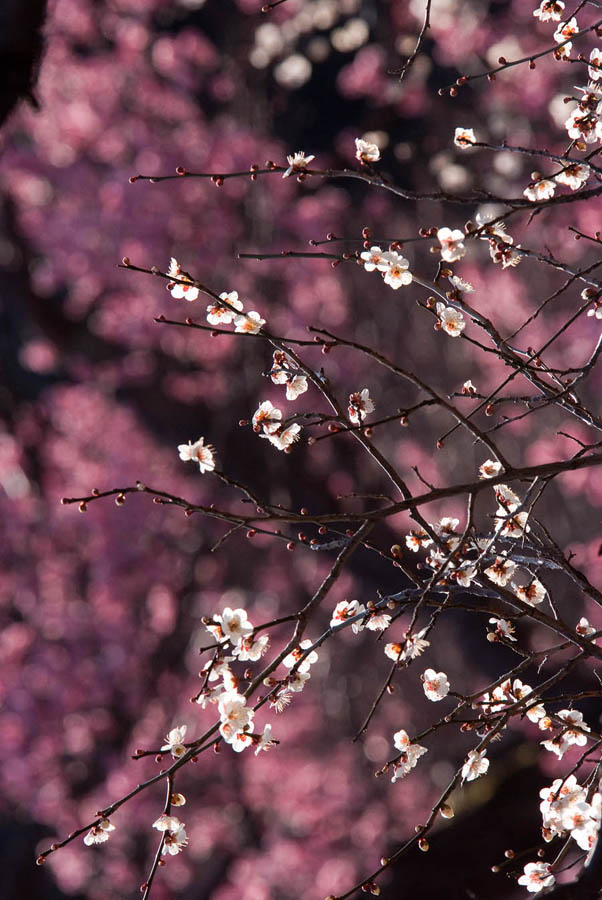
[[452, 244], [476, 765], [464, 137], [366, 151], [203, 454], [435, 684], [298, 162], [536, 876], [450, 320], [174, 742], [179, 290]]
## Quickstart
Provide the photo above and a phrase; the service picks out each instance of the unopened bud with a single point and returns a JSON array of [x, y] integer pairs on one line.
[[424, 845], [447, 811]]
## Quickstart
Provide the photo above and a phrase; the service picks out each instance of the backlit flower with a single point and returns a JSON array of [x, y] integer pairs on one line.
[[464, 137], [435, 684], [174, 742], [450, 320], [374, 259], [366, 152], [199, 452], [489, 469], [574, 176], [476, 764], [283, 438], [98, 834], [175, 841], [452, 244], [549, 10], [360, 406], [536, 877], [250, 323], [396, 273], [219, 314], [298, 162], [540, 190], [181, 291]]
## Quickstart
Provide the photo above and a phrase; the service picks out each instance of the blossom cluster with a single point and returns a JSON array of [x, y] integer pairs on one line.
[[227, 309]]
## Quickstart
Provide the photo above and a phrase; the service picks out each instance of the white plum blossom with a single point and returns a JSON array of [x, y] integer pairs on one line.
[[415, 540], [241, 741], [452, 244], [464, 137], [203, 454], [511, 524], [584, 628], [435, 684], [217, 669], [360, 406], [584, 125], [175, 841], [186, 291], [397, 273], [501, 571], [366, 151], [251, 650], [378, 622], [98, 834], [595, 311], [266, 742], [540, 190], [532, 593], [583, 821], [490, 229], [235, 624], [503, 628], [460, 285], [469, 388], [234, 715], [410, 754], [595, 64], [250, 323], [506, 497], [210, 695], [506, 254], [558, 800], [415, 644], [565, 31], [465, 575], [280, 372], [490, 468], [219, 314], [574, 719], [347, 609], [536, 877], [267, 416], [295, 387], [476, 764], [283, 438], [549, 10], [298, 162], [295, 655], [573, 176], [167, 823], [296, 682], [445, 526], [373, 259], [450, 320], [174, 742]]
